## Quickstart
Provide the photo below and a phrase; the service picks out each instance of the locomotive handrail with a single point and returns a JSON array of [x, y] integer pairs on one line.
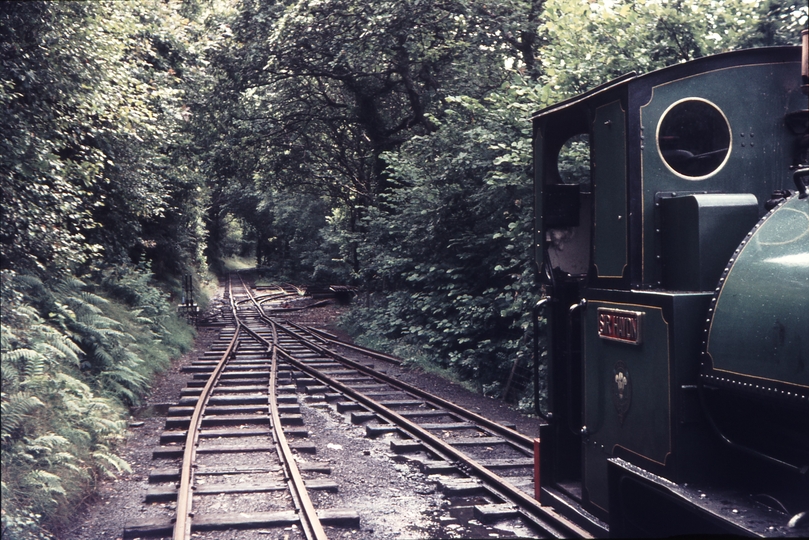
[[581, 304], [540, 305]]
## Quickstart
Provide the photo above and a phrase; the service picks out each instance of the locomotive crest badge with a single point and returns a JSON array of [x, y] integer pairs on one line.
[[621, 390]]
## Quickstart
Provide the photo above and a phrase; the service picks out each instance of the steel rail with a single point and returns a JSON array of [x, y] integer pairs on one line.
[[268, 297], [324, 336], [182, 525], [509, 434], [559, 526], [310, 522], [530, 507]]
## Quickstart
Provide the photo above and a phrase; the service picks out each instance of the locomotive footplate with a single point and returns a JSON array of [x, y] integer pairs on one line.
[[643, 504]]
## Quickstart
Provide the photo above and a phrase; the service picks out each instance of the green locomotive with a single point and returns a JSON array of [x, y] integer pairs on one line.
[[675, 276]]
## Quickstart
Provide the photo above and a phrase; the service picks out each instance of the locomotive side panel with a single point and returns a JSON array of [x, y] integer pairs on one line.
[[721, 131]]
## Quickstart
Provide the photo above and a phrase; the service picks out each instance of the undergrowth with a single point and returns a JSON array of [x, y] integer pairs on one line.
[[451, 344], [75, 355]]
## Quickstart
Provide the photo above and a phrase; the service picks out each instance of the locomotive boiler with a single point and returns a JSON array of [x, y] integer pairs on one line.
[[675, 281]]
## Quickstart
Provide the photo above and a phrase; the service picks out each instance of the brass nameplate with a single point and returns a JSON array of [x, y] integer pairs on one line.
[[620, 325]]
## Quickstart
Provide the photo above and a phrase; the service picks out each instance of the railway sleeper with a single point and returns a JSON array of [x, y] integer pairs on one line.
[[322, 366], [182, 422], [390, 393], [434, 466], [345, 406], [226, 384], [188, 391], [307, 381], [460, 487], [507, 463], [353, 380], [372, 431], [488, 513], [176, 451], [406, 446], [315, 398], [234, 409], [360, 417], [409, 446], [169, 493], [377, 430], [448, 426], [202, 365], [242, 520], [253, 374], [427, 413], [168, 437], [241, 399], [336, 372], [367, 388]]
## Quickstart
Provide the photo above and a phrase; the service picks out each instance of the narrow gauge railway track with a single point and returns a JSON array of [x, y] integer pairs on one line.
[[442, 438], [230, 430]]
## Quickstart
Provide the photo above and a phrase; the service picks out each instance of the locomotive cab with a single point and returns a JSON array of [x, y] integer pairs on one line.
[[672, 245]]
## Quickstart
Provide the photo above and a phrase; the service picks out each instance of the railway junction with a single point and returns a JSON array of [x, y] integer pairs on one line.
[[300, 434]]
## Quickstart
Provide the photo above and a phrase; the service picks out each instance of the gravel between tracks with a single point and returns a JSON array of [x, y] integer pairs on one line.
[[409, 508]]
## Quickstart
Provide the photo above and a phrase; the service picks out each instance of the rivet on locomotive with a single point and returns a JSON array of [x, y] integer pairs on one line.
[[675, 281]]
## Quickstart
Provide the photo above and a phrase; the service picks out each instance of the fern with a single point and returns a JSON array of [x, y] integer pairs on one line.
[[10, 376], [15, 409], [6, 337], [49, 441], [93, 299], [109, 463], [44, 482], [71, 359]]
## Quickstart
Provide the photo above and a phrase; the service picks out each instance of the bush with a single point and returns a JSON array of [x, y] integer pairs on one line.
[[74, 356]]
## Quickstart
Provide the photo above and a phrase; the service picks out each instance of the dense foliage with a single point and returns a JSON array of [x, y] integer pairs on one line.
[[99, 194], [384, 144]]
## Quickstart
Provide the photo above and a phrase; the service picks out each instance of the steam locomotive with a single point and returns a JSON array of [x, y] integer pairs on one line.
[[675, 281]]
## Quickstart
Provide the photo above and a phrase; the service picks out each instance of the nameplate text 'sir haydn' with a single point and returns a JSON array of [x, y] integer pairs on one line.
[[620, 325]]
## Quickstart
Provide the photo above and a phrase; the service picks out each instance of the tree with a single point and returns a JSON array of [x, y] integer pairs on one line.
[[589, 43], [323, 90]]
